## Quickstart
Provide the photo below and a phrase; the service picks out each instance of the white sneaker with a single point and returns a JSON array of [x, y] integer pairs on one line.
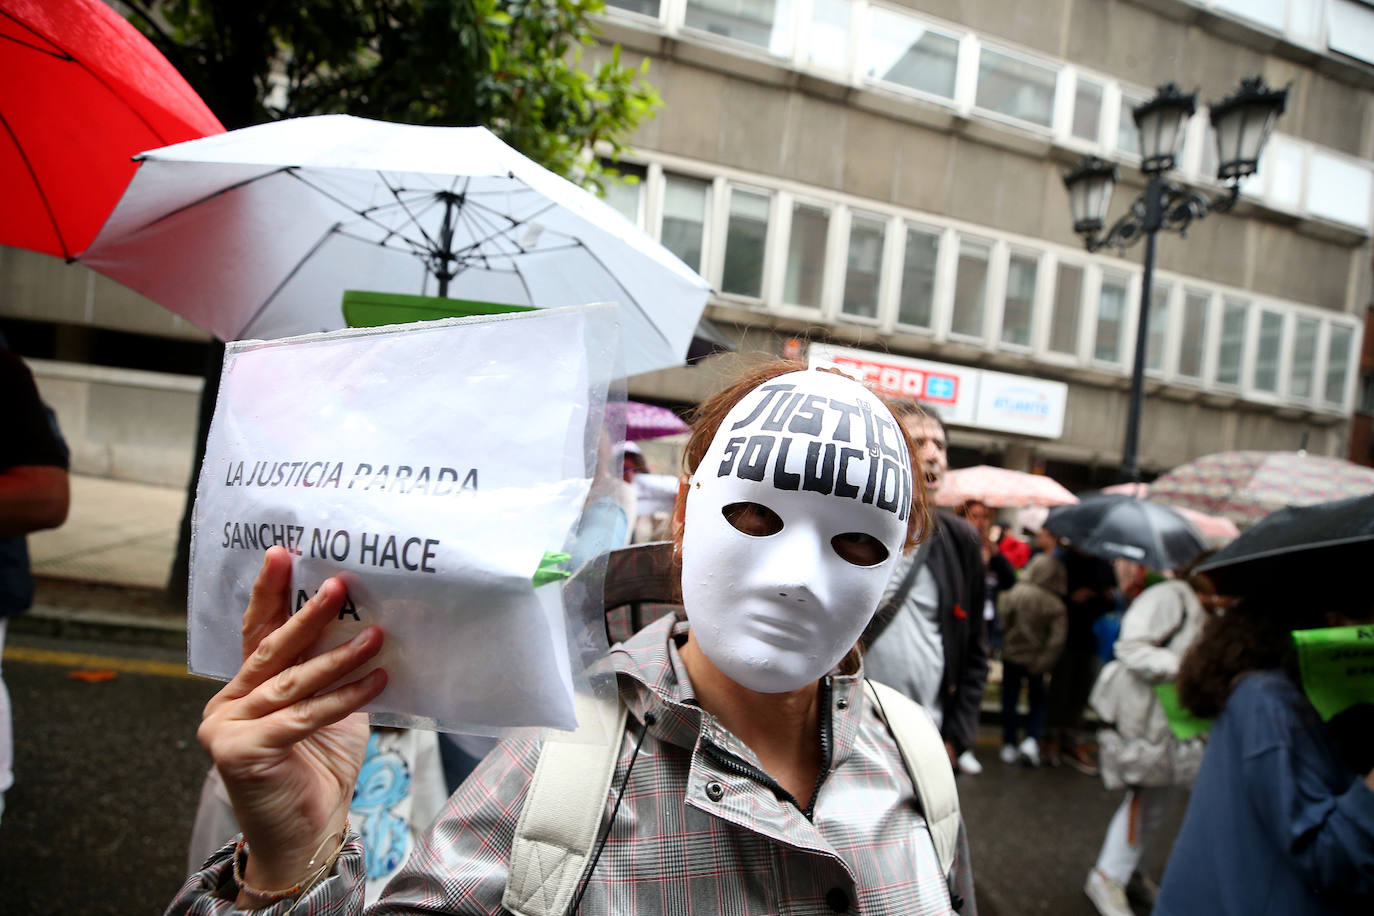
[[1008, 753], [968, 764], [1029, 752], [1108, 896]]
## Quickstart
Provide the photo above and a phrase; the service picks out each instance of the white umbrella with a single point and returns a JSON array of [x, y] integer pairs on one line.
[[257, 232]]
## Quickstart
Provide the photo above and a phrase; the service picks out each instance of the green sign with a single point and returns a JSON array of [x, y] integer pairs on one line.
[[1182, 723], [1337, 667]]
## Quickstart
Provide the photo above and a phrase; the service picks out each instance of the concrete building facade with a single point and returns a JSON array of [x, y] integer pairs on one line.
[[886, 176]]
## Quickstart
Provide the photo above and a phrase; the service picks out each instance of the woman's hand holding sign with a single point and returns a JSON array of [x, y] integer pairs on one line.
[[289, 754]]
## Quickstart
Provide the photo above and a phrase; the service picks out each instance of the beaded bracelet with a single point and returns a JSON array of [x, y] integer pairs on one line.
[[311, 876]]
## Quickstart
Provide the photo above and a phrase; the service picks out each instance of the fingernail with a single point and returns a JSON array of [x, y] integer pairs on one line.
[[358, 641]]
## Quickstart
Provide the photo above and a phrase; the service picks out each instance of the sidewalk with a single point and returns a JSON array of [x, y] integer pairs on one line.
[[102, 574]]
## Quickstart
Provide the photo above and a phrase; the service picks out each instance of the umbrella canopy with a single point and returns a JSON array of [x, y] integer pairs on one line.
[[648, 421], [1296, 545], [1113, 525], [257, 233], [81, 91], [1215, 529], [1001, 488], [1245, 486]]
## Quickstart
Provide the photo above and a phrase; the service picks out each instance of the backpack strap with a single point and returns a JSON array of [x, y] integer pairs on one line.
[[924, 752], [562, 813]]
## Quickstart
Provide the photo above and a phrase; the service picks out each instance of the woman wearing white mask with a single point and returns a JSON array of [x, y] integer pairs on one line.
[[754, 776]]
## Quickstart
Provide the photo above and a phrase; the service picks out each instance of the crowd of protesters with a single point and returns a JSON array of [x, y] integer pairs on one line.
[[772, 773]]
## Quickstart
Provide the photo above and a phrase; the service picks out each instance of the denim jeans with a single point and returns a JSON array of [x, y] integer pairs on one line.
[[1012, 676]]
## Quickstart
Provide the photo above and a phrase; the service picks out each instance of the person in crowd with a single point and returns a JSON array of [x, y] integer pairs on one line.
[[928, 639], [1138, 750], [1034, 623], [750, 741], [1091, 593], [1281, 817], [1000, 574], [34, 495]]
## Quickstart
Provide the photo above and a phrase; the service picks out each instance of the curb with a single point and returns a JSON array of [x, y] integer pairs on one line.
[[101, 626]]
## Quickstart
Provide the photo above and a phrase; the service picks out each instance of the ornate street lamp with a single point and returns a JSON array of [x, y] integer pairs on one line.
[[1243, 122]]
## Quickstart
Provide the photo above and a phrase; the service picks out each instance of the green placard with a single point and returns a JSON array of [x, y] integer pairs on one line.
[[1337, 665], [1182, 723], [367, 309]]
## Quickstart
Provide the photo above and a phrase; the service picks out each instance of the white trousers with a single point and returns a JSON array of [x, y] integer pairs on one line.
[[1133, 827]]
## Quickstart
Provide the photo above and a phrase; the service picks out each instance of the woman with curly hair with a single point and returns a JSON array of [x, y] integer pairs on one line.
[[1281, 819]]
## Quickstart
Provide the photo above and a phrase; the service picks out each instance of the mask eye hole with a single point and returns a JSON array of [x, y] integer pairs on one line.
[[754, 519], [859, 548]]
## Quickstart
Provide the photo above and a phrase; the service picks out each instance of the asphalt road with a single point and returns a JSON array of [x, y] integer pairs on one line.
[[108, 774]]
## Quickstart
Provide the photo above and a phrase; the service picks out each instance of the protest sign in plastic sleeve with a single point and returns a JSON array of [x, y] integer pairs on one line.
[[433, 467], [1337, 665]]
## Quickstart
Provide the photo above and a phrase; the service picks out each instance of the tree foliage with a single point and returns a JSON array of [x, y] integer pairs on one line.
[[513, 66]]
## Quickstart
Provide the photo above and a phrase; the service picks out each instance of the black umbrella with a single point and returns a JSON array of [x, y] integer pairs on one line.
[[1331, 540], [1112, 525]]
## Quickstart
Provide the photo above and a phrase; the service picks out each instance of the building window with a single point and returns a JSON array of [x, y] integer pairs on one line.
[[1020, 299], [1366, 404], [626, 193], [806, 255], [1304, 358], [1192, 345], [643, 7], [1231, 349], [684, 217], [828, 43], [1267, 352], [1087, 109], [1111, 310], [1158, 330], [744, 243], [904, 51], [1127, 137], [918, 277], [1016, 88], [1068, 297], [764, 23], [1337, 363], [864, 266], [970, 288]]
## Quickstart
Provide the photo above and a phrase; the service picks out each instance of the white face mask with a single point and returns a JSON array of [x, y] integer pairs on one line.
[[817, 479]]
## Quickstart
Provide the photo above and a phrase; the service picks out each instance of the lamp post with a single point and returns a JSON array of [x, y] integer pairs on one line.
[[1243, 122]]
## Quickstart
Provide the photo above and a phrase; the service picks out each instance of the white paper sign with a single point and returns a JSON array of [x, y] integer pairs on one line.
[[431, 466]]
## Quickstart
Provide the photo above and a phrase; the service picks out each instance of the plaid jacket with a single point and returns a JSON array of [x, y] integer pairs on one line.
[[700, 829]]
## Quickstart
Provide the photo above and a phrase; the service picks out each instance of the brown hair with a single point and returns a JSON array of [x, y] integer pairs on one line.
[[1257, 633], [706, 420]]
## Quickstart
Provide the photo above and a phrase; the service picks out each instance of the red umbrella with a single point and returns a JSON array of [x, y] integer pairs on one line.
[[81, 91]]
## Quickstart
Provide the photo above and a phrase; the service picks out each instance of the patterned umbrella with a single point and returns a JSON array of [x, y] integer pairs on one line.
[[1246, 486], [1215, 529], [646, 421], [1001, 488]]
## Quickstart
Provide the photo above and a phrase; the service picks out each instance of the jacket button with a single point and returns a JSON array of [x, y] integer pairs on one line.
[[841, 703], [715, 791], [837, 899]]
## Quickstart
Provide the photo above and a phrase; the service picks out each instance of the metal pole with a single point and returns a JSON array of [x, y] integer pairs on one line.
[[1130, 461], [445, 253]]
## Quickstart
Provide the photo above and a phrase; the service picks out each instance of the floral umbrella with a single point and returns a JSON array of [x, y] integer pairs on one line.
[[646, 421], [1001, 488], [1245, 486]]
